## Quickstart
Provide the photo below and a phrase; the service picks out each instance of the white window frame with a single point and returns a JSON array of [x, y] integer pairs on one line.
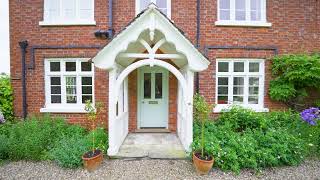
[[64, 107], [248, 22], [154, 2], [60, 21], [246, 74]]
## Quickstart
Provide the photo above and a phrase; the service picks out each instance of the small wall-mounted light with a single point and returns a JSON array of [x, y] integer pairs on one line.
[[104, 34]]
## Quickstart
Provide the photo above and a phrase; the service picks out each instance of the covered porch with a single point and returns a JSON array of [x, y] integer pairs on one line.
[[154, 48]]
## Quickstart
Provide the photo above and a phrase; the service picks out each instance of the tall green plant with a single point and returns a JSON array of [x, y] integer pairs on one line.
[[93, 112], [6, 97], [293, 76], [201, 113]]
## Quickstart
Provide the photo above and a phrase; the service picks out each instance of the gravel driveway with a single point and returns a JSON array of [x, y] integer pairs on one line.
[[149, 169]]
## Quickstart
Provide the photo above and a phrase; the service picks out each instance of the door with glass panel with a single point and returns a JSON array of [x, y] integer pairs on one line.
[[152, 97]]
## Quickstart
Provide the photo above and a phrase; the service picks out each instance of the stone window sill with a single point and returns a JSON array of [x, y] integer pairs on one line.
[[243, 23], [225, 107], [67, 23], [63, 109]]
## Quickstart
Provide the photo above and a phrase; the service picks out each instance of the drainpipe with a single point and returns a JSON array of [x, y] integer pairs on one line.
[[23, 45], [107, 34], [198, 41]]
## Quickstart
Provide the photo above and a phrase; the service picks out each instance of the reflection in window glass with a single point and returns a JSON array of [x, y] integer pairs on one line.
[[223, 67], [255, 10], [158, 85], [224, 9], [238, 67], [241, 10], [147, 85], [254, 67], [54, 66], [86, 66], [71, 89], [71, 66]]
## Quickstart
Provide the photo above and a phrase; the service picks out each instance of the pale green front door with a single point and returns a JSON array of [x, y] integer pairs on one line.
[[152, 97]]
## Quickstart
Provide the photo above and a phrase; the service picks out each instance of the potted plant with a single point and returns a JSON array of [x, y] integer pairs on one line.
[[93, 158], [202, 160]]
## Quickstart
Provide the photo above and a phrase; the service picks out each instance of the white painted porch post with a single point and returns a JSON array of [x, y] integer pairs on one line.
[[112, 113], [189, 108]]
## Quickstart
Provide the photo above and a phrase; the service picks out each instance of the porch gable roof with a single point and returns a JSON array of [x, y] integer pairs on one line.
[[151, 19]]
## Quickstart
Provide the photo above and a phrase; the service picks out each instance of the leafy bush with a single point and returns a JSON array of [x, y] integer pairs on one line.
[[242, 138], [6, 98], [4, 147], [294, 74], [68, 151]]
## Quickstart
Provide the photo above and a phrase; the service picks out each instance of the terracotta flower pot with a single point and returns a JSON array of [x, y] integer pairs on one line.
[[91, 161], [202, 166]]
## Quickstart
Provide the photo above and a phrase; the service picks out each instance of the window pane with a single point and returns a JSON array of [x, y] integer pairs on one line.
[[72, 99], [69, 9], [253, 90], [222, 99], [254, 67], [147, 85], [144, 4], [55, 99], [223, 80], [86, 80], [161, 3], [55, 81], [71, 90], [86, 98], [255, 10], [254, 81], [224, 14], [223, 90], [71, 81], [224, 4], [53, 10], [237, 99], [55, 89], [238, 67], [238, 90], [54, 66], [253, 100], [85, 11], [240, 9], [223, 67], [71, 66], [86, 89], [158, 86], [86, 66], [238, 81]]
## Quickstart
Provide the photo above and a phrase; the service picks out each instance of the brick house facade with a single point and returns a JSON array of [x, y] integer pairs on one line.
[[280, 27]]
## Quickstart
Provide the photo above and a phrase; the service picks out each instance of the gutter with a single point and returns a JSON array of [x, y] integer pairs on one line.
[[23, 46], [198, 42], [107, 34]]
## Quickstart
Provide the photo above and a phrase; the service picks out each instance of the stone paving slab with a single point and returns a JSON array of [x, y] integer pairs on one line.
[[152, 145]]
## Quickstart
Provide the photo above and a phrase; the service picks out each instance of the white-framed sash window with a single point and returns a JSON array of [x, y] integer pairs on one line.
[[163, 5], [68, 12], [240, 82], [242, 13], [69, 83]]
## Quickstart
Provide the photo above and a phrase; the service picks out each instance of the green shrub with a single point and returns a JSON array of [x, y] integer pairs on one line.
[[6, 98], [242, 138], [294, 75], [31, 139], [69, 150], [4, 147]]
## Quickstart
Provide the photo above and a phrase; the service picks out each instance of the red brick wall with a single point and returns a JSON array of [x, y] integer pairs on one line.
[[295, 29]]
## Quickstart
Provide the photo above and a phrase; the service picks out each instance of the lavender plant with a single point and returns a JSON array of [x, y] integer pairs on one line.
[[311, 115]]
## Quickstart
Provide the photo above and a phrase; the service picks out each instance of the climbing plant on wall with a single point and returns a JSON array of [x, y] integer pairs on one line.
[[293, 76]]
